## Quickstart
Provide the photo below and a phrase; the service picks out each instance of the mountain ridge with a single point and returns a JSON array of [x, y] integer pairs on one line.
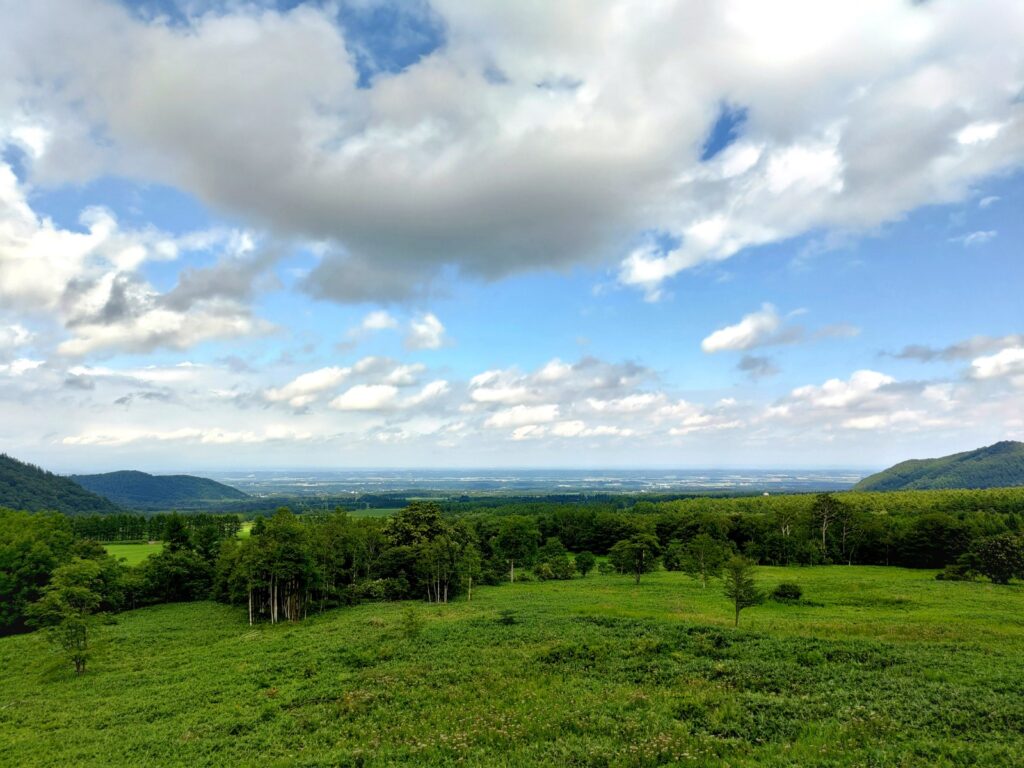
[[30, 488], [141, 490], [993, 466]]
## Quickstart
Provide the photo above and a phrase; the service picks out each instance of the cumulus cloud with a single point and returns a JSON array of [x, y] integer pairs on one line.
[[90, 282], [366, 397], [380, 320], [1006, 362], [532, 137], [305, 389], [758, 329], [522, 415], [426, 332], [14, 336]]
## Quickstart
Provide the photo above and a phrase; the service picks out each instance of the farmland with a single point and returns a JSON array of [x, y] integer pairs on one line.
[[875, 666]]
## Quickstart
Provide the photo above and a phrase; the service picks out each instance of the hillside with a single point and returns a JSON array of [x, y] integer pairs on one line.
[[140, 490], [589, 672], [995, 466], [27, 487]]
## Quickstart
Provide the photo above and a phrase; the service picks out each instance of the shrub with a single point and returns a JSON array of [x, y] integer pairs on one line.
[[585, 563], [787, 592], [958, 572]]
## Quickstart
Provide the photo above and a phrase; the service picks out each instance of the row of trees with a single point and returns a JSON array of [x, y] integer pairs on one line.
[[134, 527]]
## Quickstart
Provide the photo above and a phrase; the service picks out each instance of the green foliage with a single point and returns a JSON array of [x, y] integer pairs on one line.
[[636, 555], [516, 541], [585, 562], [31, 547], [999, 465], [740, 586], [999, 558], [74, 594], [592, 673], [29, 488], [787, 591], [702, 558], [412, 623], [139, 490]]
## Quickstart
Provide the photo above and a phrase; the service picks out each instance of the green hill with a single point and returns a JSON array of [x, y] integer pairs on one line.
[[996, 466], [140, 490], [27, 487]]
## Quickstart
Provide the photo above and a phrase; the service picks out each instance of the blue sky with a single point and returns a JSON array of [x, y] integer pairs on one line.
[[453, 234]]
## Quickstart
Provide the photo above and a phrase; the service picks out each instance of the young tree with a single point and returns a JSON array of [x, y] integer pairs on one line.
[[637, 555], [826, 511], [470, 568], [672, 557], [740, 586], [703, 557], [67, 606], [585, 563], [516, 541]]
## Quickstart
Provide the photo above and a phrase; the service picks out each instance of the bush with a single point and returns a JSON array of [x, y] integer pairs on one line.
[[958, 572], [787, 592], [585, 563]]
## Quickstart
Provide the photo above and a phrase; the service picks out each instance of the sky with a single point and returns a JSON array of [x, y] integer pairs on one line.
[[487, 234]]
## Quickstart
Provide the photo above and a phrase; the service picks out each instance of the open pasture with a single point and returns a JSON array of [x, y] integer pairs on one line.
[[877, 667]]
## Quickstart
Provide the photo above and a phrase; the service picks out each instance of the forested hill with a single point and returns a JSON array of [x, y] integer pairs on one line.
[[140, 490], [27, 487], [995, 466]]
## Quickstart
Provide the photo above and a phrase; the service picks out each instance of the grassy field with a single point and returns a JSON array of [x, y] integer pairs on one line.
[[879, 667], [134, 554]]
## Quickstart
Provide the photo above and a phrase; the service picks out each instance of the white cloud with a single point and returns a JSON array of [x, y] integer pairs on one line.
[[426, 332], [522, 415], [855, 116], [20, 366], [379, 320], [366, 397], [836, 393], [976, 238], [985, 202], [431, 391], [14, 336], [1003, 363], [754, 330], [304, 389]]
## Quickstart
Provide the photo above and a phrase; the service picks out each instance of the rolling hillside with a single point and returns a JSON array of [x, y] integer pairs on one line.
[[27, 487], [995, 466], [140, 490]]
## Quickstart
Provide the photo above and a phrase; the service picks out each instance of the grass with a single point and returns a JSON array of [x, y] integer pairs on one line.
[[878, 667], [133, 554]]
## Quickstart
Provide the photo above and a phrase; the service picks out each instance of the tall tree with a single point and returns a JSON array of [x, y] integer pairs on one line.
[[516, 541], [637, 555], [740, 586], [703, 557], [67, 606]]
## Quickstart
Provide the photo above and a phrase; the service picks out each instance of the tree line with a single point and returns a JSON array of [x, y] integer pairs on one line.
[[53, 576]]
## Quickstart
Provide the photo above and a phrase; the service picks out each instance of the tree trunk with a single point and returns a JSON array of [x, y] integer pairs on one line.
[[512, 570], [469, 592]]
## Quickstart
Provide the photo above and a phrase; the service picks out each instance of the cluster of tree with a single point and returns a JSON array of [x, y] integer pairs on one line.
[[855, 528], [125, 527], [292, 564]]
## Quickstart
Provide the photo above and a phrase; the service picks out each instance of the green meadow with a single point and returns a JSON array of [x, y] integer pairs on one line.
[[876, 667], [133, 554]]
